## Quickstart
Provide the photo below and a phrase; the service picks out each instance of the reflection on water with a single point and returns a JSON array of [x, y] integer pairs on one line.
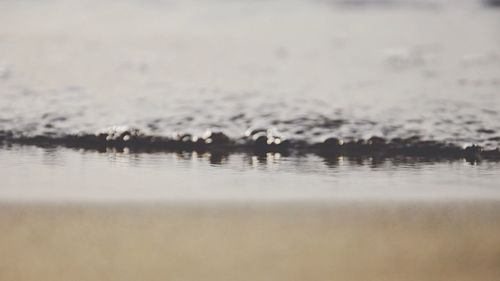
[[31, 173]]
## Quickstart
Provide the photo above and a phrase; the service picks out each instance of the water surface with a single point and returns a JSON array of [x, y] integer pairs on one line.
[[55, 175], [308, 70]]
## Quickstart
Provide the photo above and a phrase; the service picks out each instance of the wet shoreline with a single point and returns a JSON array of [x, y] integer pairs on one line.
[[390, 241], [256, 141]]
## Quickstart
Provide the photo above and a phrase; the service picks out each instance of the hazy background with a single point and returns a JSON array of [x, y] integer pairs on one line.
[[309, 69]]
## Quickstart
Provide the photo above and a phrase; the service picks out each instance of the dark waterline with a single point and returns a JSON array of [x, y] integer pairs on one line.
[[256, 141]]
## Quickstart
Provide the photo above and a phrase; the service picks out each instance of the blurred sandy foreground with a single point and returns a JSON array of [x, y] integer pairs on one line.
[[285, 241]]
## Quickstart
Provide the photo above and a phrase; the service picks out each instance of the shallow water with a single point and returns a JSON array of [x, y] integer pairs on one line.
[[423, 77], [31, 174]]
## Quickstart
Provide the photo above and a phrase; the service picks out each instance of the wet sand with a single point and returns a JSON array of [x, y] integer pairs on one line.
[[356, 240]]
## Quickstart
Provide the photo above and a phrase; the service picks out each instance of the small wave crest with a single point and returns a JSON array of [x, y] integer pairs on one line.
[[121, 138]]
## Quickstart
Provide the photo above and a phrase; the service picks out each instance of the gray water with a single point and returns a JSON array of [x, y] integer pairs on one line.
[[31, 174], [304, 70]]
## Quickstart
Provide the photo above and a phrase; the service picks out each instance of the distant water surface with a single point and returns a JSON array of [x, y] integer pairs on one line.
[[307, 69]]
